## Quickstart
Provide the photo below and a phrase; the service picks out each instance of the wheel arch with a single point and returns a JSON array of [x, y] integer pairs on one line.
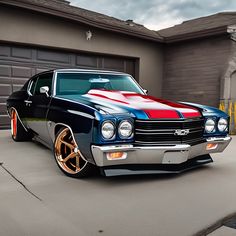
[[58, 126], [9, 111], [84, 150]]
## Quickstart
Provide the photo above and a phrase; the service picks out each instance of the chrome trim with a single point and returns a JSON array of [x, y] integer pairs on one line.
[[182, 132], [118, 129], [13, 108], [174, 120], [218, 139], [29, 87], [81, 114], [89, 71], [28, 102], [166, 142], [156, 154], [214, 130], [115, 128], [54, 84], [158, 143], [170, 132], [154, 130], [153, 133], [70, 71], [192, 130]]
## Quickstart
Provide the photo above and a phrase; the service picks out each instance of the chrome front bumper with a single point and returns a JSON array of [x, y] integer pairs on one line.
[[169, 154]]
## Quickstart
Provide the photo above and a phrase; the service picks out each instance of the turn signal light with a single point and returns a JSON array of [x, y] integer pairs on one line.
[[116, 156], [211, 146]]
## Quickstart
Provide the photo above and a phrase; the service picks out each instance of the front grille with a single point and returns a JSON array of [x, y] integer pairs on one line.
[[155, 132]]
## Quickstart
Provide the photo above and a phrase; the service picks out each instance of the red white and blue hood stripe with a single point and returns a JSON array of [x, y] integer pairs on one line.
[[138, 104]]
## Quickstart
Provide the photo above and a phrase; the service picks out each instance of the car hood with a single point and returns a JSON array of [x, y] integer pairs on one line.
[[141, 106]]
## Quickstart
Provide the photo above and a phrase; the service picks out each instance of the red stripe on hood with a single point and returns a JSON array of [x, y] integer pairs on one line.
[[191, 114], [154, 107], [160, 114]]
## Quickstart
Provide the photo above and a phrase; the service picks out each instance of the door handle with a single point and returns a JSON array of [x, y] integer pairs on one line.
[[27, 102]]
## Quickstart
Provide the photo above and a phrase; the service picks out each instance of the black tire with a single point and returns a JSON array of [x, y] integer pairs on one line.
[[18, 133], [65, 146]]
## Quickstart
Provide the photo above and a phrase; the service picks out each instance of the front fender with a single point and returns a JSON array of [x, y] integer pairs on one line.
[[212, 112], [78, 117]]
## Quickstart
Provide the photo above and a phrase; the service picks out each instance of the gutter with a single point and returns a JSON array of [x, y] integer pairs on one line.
[[195, 35], [232, 31]]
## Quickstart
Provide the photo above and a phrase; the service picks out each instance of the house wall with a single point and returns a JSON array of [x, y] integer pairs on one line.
[[194, 70], [30, 28]]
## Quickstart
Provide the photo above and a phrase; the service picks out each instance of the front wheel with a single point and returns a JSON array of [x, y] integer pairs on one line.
[[68, 156]]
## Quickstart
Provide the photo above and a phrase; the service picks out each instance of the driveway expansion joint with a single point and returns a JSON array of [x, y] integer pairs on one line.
[[231, 223], [20, 182], [228, 221]]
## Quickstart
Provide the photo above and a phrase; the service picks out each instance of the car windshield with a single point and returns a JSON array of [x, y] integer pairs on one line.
[[82, 83]]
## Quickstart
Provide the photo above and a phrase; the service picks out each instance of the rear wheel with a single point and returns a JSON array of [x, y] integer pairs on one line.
[[68, 156], [18, 132]]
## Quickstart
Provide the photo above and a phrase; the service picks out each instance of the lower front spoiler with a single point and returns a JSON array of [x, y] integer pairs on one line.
[[156, 159], [139, 169]]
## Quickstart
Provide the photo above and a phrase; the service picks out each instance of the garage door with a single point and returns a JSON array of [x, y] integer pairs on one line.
[[18, 64]]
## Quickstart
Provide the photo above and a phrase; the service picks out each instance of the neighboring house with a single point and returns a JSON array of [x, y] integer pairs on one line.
[[200, 60], [194, 61]]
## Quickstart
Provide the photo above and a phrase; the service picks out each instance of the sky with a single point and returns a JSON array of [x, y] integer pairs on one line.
[[157, 14]]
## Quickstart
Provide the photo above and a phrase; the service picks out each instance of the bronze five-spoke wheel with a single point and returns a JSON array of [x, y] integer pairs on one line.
[[68, 156]]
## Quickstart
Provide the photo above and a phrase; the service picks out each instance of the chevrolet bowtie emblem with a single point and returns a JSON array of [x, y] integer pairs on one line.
[[181, 132]]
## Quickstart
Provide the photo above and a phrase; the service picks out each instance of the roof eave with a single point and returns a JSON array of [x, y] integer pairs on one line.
[[196, 35], [80, 19]]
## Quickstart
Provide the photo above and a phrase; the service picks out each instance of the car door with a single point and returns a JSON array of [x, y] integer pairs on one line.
[[38, 104]]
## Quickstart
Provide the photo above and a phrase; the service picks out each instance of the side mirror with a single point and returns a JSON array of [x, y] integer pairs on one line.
[[44, 90], [145, 91]]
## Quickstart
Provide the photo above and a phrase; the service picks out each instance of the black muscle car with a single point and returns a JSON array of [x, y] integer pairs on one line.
[[104, 120]]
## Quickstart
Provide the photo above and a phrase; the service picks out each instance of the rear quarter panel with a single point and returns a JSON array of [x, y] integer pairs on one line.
[[16, 100]]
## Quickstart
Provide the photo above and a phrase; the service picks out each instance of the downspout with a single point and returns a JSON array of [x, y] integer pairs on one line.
[[226, 103]]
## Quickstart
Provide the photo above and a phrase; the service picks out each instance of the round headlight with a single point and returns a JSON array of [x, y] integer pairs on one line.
[[125, 129], [222, 124], [108, 130], [210, 125]]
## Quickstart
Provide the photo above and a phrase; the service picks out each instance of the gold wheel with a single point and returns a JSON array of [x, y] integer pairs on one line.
[[67, 153], [13, 124]]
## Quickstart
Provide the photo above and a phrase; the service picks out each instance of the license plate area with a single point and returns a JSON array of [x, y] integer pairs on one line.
[[175, 157]]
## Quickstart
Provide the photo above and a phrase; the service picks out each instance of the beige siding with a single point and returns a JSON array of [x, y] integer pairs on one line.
[[193, 70], [26, 27]]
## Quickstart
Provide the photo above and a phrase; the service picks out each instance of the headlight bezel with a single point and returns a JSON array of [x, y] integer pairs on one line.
[[226, 125], [131, 130], [213, 125], [114, 130]]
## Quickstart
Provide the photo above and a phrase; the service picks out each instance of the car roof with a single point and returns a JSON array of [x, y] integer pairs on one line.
[[82, 71], [90, 71]]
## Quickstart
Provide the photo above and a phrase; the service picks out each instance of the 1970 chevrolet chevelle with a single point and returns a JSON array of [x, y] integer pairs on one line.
[[94, 119]]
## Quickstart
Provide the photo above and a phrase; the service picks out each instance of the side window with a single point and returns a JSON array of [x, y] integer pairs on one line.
[[43, 80]]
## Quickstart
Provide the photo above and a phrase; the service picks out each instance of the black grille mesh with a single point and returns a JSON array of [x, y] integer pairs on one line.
[[163, 131]]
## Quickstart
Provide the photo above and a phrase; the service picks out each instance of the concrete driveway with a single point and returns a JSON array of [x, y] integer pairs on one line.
[[37, 199]]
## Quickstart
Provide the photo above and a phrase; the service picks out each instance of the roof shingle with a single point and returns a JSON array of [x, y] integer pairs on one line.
[[208, 24]]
